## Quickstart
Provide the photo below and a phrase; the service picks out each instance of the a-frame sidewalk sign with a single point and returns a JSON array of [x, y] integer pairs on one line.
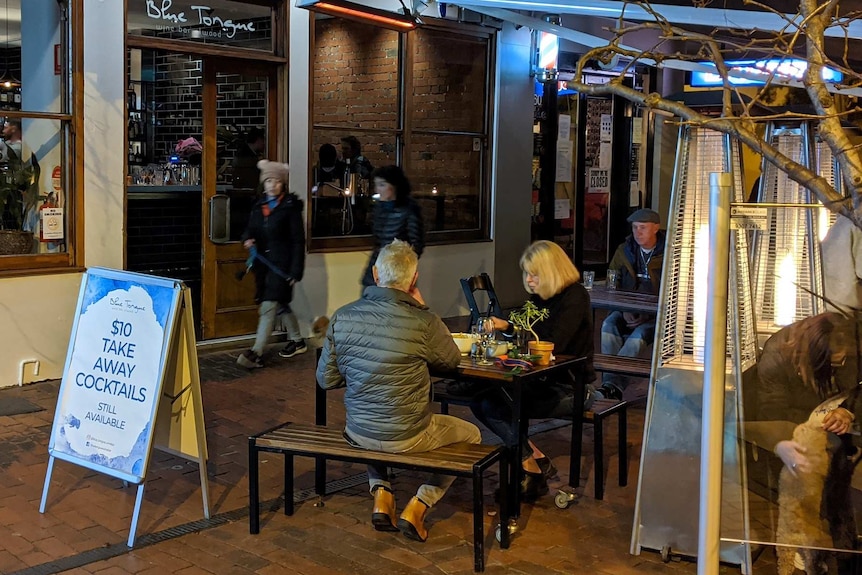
[[130, 382]]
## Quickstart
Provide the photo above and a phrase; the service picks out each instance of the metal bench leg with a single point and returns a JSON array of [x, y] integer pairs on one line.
[[577, 433], [505, 512], [478, 523], [253, 486], [288, 483], [599, 455], [320, 476], [624, 447]]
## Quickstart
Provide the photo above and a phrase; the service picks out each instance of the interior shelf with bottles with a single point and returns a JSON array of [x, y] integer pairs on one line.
[[141, 121], [10, 96]]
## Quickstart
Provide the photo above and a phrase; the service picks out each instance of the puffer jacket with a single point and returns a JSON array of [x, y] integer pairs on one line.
[[280, 238], [625, 260], [391, 221], [380, 348]]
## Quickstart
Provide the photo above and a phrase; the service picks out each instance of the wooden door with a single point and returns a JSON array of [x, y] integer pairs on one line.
[[238, 97]]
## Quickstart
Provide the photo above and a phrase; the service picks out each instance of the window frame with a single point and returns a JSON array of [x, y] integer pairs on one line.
[[72, 124], [404, 133]]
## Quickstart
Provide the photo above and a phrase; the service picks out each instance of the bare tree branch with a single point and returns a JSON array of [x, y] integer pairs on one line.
[[802, 35]]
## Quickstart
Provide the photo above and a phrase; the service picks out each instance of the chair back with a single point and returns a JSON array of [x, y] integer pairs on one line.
[[480, 283]]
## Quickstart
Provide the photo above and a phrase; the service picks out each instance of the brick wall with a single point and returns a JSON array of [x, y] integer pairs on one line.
[[178, 90], [355, 81]]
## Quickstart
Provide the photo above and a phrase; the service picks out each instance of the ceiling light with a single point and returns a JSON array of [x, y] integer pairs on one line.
[[362, 13]]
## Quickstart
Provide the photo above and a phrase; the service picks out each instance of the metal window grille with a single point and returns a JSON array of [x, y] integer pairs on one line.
[[787, 270], [827, 166]]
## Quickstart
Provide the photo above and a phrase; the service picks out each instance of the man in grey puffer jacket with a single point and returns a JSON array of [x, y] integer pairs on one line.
[[380, 348]]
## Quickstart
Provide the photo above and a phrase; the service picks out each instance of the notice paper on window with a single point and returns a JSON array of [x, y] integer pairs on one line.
[[564, 127], [562, 208], [564, 161]]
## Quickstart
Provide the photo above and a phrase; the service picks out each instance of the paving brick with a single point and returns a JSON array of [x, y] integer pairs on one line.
[[87, 510]]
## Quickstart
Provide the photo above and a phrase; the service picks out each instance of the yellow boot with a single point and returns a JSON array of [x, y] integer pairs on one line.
[[412, 520], [383, 515]]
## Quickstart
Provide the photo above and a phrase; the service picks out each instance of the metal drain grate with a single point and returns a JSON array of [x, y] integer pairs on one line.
[[117, 549]]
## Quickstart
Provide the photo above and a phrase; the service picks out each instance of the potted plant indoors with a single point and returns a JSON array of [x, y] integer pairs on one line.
[[524, 319], [19, 196]]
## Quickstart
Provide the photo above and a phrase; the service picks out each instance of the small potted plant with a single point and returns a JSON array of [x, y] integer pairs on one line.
[[19, 196], [524, 319]]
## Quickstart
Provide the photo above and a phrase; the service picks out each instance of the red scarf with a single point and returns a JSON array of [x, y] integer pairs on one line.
[[264, 207]]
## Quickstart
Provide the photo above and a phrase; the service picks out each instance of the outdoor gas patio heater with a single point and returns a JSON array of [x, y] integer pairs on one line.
[[672, 436], [787, 269]]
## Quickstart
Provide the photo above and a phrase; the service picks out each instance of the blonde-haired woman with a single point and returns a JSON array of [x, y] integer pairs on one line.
[[552, 280]]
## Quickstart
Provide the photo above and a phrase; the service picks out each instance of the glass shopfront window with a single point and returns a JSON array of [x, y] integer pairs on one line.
[[37, 175], [419, 100]]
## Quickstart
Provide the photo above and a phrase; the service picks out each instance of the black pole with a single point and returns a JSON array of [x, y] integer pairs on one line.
[[548, 161]]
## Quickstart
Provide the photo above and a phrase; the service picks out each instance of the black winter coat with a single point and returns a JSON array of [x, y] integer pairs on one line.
[[390, 221], [569, 325], [280, 238], [626, 260]]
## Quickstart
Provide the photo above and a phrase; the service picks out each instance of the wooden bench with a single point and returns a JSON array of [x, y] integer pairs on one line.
[[321, 443], [633, 366], [596, 415]]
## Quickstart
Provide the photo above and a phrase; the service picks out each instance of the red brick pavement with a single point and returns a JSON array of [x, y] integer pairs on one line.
[[87, 510]]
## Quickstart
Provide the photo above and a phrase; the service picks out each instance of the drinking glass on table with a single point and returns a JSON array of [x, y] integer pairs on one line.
[[589, 278], [485, 329], [613, 279]]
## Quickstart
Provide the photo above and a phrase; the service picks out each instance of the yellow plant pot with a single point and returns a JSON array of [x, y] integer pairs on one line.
[[543, 349]]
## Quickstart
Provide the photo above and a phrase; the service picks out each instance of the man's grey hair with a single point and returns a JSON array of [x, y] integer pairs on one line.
[[396, 265]]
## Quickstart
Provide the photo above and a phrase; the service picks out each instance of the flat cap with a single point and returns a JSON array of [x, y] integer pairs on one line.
[[644, 215]]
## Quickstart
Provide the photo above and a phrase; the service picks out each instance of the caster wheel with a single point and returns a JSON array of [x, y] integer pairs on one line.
[[513, 528], [562, 500], [665, 554]]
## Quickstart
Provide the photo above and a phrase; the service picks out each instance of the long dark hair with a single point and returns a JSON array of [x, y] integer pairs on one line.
[[394, 175], [811, 343]]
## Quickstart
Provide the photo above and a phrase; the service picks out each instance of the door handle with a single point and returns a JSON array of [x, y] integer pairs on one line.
[[219, 228]]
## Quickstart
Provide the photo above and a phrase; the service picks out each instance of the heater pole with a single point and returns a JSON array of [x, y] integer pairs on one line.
[[712, 426]]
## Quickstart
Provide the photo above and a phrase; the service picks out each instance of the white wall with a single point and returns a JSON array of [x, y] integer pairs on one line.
[[104, 132], [36, 312], [35, 323]]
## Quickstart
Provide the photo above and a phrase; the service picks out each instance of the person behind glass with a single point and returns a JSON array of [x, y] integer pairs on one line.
[[248, 152], [351, 155], [11, 141], [638, 261], [552, 279], [380, 348], [276, 233], [802, 365], [12, 135], [395, 215], [328, 168]]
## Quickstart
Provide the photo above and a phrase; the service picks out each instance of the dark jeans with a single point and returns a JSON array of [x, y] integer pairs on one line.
[[539, 400]]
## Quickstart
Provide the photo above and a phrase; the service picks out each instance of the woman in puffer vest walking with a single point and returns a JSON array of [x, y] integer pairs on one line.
[[395, 215]]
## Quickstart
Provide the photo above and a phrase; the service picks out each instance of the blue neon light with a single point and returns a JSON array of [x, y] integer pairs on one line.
[[788, 68]]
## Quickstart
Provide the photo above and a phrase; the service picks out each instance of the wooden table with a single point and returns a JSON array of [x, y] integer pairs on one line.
[[564, 368], [603, 298]]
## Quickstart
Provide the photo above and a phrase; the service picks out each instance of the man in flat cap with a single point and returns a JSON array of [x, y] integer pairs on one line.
[[638, 262]]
